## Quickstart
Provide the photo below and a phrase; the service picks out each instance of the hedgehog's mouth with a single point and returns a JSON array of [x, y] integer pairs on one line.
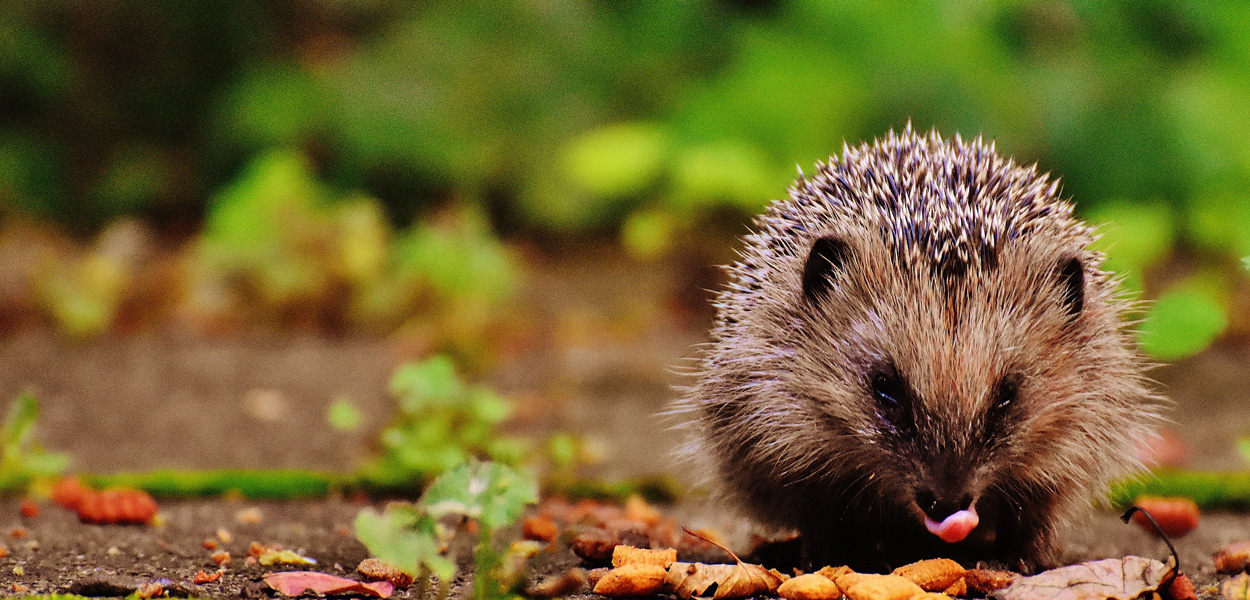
[[956, 526]]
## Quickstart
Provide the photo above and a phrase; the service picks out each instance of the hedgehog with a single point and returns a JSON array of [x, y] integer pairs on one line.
[[918, 354]]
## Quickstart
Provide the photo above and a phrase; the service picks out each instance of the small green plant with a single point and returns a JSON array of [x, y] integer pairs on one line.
[[21, 459], [442, 422], [413, 537]]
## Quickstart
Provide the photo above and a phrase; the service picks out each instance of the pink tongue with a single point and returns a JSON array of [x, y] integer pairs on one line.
[[955, 527]]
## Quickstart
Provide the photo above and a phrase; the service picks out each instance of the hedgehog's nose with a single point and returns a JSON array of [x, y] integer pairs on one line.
[[938, 507]]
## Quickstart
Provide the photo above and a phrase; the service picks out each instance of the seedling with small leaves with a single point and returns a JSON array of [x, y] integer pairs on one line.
[[413, 537]]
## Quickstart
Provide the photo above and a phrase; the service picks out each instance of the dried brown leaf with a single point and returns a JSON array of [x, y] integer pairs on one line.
[[1236, 588], [1109, 579], [732, 581]]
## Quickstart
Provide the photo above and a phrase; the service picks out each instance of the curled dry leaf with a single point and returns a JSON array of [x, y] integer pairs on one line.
[[1233, 557], [632, 580], [378, 570], [865, 586], [1109, 579], [983, 582], [1236, 588], [626, 555], [933, 575], [732, 581], [1176, 515], [812, 586]]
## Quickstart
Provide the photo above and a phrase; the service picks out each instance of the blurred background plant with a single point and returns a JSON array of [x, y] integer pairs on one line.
[[355, 165]]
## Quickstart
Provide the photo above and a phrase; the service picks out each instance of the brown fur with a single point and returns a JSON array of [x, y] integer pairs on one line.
[[952, 281]]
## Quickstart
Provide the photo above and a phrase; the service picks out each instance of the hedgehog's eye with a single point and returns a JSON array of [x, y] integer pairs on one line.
[[889, 390], [1005, 393]]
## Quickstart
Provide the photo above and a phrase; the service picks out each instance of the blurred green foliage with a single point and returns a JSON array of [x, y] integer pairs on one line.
[[22, 460], [441, 422], [632, 118]]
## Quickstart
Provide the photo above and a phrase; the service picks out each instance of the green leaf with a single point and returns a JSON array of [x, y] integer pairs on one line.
[[343, 415], [1182, 322], [394, 536], [617, 159], [1134, 234], [491, 493], [20, 420], [430, 383]]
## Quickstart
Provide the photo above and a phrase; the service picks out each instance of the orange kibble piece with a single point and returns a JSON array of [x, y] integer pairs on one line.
[[933, 575], [210, 544], [375, 569], [637, 509], [1233, 557], [863, 586], [29, 509], [1176, 516], [628, 555], [221, 558], [812, 586], [248, 516], [959, 588], [931, 596], [4, 550], [982, 582], [202, 577], [539, 527], [118, 505], [833, 573], [632, 580], [68, 492]]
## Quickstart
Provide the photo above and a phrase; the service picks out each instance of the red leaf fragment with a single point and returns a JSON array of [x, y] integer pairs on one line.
[[294, 583]]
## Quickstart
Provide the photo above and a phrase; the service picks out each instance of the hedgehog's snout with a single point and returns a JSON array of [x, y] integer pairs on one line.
[[938, 506], [949, 514]]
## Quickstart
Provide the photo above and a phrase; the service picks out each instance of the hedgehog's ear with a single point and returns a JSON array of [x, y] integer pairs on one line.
[[1071, 275], [826, 258]]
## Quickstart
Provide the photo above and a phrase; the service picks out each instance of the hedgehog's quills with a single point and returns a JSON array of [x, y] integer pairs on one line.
[[918, 354]]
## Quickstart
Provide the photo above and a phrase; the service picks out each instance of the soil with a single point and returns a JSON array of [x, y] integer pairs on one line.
[[610, 335]]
